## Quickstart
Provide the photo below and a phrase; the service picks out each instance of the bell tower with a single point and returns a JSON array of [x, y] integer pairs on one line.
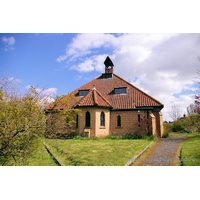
[[108, 66]]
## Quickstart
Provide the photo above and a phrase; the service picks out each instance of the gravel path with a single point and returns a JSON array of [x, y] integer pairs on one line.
[[162, 153]]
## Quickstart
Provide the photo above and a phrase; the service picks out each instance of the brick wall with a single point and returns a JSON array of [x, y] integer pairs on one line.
[[129, 121], [153, 130], [102, 131], [95, 129], [161, 125], [159, 122]]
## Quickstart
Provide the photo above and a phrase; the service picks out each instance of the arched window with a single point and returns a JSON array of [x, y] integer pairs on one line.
[[77, 121], [87, 119], [102, 121], [118, 120]]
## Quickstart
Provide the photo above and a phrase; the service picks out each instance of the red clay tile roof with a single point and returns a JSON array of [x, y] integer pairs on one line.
[[105, 95], [93, 98]]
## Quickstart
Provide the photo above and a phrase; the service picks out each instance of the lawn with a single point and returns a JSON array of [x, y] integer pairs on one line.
[[41, 157], [99, 152], [38, 157], [190, 154]]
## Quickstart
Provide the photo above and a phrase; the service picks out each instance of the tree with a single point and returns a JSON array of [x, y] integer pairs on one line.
[[22, 122], [175, 111], [192, 108], [61, 122], [197, 97]]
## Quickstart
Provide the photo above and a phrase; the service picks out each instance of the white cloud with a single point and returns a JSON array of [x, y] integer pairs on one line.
[[28, 87], [46, 100], [9, 43], [84, 43], [86, 66], [162, 64], [50, 91], [47, 95], [16, 81], [183, 101], [190, 88]]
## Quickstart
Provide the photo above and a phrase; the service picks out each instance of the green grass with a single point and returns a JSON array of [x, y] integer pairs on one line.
[[190, 154], [40, 157], [99, 152]]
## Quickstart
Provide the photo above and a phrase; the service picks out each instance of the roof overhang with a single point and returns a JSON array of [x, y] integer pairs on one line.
[[141, 108], [137, 108], [93, 106]]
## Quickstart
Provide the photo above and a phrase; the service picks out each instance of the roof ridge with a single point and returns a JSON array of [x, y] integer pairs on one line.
[[103, 98], [138, 89], [94, 96]]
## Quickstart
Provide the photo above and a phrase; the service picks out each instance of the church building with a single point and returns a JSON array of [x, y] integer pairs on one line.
[[112, 106]]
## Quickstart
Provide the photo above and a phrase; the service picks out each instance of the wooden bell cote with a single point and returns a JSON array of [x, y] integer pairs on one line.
[[108, 65]]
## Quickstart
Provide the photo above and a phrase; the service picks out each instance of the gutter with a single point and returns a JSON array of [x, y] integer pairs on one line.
[[142, 108]]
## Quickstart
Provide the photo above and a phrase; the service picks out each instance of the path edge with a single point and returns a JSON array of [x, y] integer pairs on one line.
[[52, 154], [135, 157]]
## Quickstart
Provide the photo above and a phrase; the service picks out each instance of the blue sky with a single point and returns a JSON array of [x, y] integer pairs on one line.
[[163, 65]]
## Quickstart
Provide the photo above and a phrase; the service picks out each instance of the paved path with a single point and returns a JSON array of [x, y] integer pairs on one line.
[[162, 153]]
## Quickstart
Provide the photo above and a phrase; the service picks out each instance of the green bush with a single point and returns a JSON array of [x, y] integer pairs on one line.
[[165, 135], [114, 137], [190, 123], [130, 137], [167, 129], [177, 126], [78, 137]]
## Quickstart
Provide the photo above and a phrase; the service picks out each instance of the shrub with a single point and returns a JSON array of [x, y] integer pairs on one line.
[[177, 126], [130, 136], [167, 129], [22, 122], [114, 137], [78, 137], [190, 123]]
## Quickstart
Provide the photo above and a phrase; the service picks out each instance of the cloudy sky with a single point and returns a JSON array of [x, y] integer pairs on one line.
[[163, 65]]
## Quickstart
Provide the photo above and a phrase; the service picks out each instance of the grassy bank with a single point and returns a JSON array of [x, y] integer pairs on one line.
[[100, 152], [84, 152], [38, 157], [190, 154], [41, 157]]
